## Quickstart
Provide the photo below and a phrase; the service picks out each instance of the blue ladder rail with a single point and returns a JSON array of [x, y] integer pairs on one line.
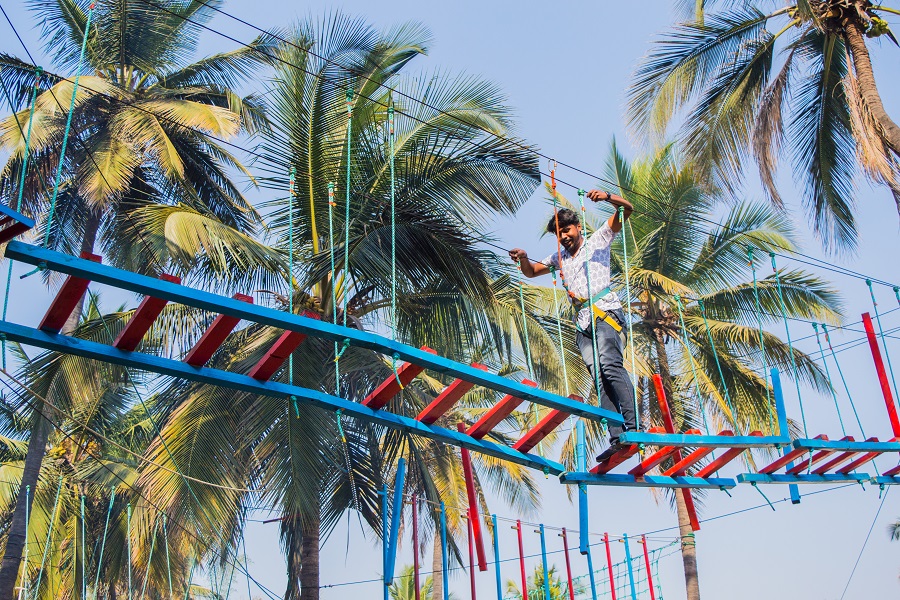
[[173, 292], [655, 481], [245, 383]]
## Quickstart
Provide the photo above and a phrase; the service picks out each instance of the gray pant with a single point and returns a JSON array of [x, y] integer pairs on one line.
[[616, 390]]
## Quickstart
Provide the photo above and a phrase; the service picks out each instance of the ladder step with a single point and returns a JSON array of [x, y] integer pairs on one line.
[[449, 396], [727, 456], [497, 413], [681, 467], [390, 388], [621, 456], [839, 459], [213, 337], [142, 319], [816, 458], [862, 459], [67, 298], [659, 456], [279, 352], [536, 434], [892, 472], [789, 457]]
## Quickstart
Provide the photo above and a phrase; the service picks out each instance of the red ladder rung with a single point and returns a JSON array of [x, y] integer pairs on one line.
[[816, 458], [681, 467], [789, 457], [621, 456], [390, 388], [862, 460], [444, 401], [892, 472], [727, 456], [142, 319], [68, 297], [279, 352], [213, 337], [497, 413], [839, 459], [659, 456], [536, 434]]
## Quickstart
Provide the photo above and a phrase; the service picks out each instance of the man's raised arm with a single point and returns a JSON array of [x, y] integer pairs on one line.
[[529, 269], [614, 223]]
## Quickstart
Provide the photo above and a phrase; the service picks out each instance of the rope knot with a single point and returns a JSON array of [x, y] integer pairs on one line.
[[343, 349], [394, 358]]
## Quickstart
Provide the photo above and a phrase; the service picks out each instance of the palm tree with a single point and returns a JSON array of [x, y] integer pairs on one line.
[[559, 589], [894, 530], [147, 129], [671, 255], [403, 587], [743, 98]]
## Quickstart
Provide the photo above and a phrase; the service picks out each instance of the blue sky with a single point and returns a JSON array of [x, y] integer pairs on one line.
[[564, 67]]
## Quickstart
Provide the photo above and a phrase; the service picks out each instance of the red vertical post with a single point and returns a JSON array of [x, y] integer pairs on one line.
[[612, 577], [471, 556], [568, 565], [882, 374], [647, 562], [518, 529], [415, 525], [670, 427], [473, 504]]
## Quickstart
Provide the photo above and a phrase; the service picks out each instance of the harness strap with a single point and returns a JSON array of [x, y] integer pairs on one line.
[[599, 313]]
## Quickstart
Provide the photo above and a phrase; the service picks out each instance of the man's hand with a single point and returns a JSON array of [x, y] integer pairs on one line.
[[518, 255], [618, 201], [529, 269]]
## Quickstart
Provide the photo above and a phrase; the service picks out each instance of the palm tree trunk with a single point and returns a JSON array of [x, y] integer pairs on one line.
[[862, 64], [688, 543], [437, 569], [34, 458], [309, 571]]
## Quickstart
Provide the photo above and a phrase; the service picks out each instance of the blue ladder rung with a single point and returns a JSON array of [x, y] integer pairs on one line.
[[702, 441], [655, 481]]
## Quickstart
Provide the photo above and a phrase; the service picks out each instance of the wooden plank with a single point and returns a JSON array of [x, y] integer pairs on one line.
[[816, 458], [497, 413], [681, 467], [647, 481], [213, 337], [141, 284], [381, 395], [536, 434], [142, 319], [621, 456], [727, 456], [279, 352], [449, 396], [839, 460], [67, 298], [702, 441], [788, 457]]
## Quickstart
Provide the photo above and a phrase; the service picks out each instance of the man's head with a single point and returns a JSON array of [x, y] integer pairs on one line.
[[568, 231]]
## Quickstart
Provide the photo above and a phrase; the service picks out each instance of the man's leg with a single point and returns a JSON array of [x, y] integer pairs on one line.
[[613, 375], [587, 348]]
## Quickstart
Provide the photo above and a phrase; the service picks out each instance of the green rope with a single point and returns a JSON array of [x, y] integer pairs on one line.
[[24, 589], [337, 355], [587, 270], [525, 322], [37, 78], [246, 562], [712, 343], [621, 215], [168, 559], [843, 380], [230, 580], [128, 538], [347, 205], [353, 493], [790, 343], [37, 587], [190, 579], [769, 502], [762, 341], [112, 498], [65, 141], [562, 349], [150, 558], [83, 545], [393, 228], [687, 347], [883, 341], [815, 327], [291, 264]]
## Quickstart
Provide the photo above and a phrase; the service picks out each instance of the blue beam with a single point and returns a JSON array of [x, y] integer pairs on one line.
[[581, 464], [245, 383], [497, 558], [811, 478], [660, 481], [385, 539], [445, 563], [854, 446], [396, 513], [681, 440], [544, 562], [630, 568], [782, 427], [886, 480], [148, 286]]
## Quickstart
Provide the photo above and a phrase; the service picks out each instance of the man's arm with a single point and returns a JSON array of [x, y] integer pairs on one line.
[[614, 223], [529, 269]]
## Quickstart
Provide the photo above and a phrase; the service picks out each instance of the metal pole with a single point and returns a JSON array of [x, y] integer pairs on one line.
[[518, 529], [568, 564], [497, 557], [544, 562], [647, 562], [415, 527], [444, 565], [609, 566], [385, 539], [630, 568], [471, 554]]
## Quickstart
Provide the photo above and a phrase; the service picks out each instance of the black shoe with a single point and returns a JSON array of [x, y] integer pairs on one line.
[[609, 452]]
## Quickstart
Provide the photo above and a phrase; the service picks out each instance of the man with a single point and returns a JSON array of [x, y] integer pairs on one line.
[[616, 390]]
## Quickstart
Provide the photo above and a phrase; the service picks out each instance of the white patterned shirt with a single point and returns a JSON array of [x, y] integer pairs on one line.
[[575, 275]]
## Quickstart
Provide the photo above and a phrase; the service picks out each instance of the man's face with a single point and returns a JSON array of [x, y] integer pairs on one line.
[[570, 237]]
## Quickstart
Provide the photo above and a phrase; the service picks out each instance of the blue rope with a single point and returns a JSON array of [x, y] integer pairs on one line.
[[150, 558], [843, 380], [587, 272], [762, 341], [337, 355], [347, 206], [712, 344], [883, 341], [815, 327], [37, 587], [627, 312], [787, 331], [112, 499], [687, 348], [24, 590], [562, 350], [291, 265], [128, 538]]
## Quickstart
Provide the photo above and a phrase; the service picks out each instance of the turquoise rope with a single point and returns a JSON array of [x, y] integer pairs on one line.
[[621, 215], [687, 347], [562, 349], [190, 579], [712, 344], [762, 341], [291, 264], [525, 323], [149, 559], [883, 341], [815, 327], [843, 380], [112, 498], [62, 152], [37, 587], [246, 562], [83, 545], [347, 206], [587, 272], [337, 356], [24, 589], [168, 559], [34, 91], [128, 536], [393, 228], [790, 343]]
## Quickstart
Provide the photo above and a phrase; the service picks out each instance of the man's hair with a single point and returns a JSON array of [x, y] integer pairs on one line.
[[565, 217]]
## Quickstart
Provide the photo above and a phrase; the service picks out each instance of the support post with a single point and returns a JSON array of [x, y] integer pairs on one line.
[[544, 562], [882, 375], [647, 563], [590, 563], [581, 462], [609, 566], [518, 529], [415, 534], [473, 504], [497, 558], [630, 568], [471, 555], [568, 564], [385, 539], [444, 566], [396, 510], [793, 490]]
